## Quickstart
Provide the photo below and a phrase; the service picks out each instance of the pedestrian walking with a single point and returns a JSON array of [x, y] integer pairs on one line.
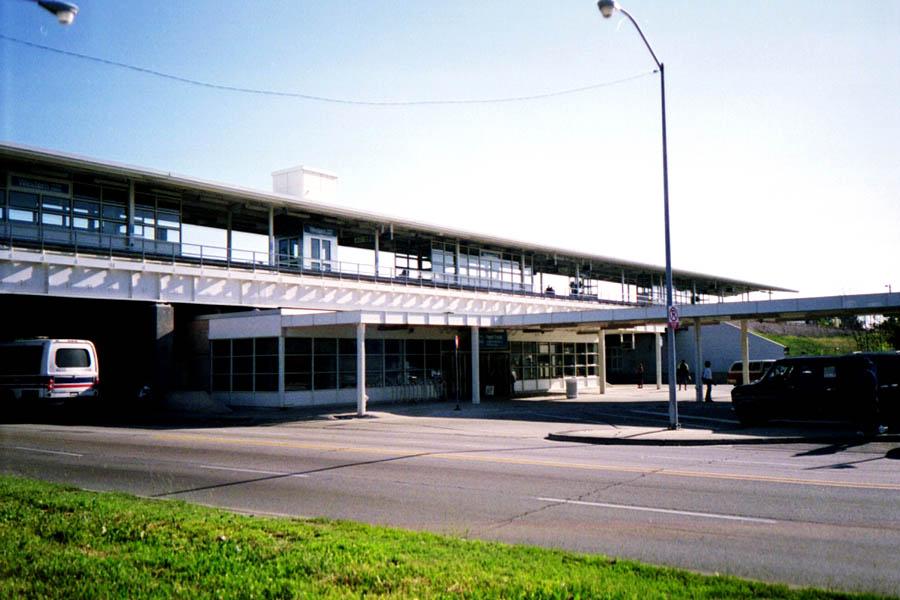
[[707, 380], [683, 374]]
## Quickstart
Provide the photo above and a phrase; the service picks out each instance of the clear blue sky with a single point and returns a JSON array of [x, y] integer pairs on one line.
[[784, 127]]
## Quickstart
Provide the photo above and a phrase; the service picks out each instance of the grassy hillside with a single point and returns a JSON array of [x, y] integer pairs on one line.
[[802, 345]]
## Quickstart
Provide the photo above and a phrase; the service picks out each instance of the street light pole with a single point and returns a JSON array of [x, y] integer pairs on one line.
[[607, 8]]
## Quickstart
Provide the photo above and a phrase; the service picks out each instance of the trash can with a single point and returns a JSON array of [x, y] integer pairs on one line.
[[571, 388]]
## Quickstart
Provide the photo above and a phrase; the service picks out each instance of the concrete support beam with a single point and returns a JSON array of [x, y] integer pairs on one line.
[[601, 361], [698, 360], [228, 244], [281, 396], [377, 252], [129, 231], [164, 349], [657, 338], [745, 353], [361, 369], [476, 364], [271, 236]]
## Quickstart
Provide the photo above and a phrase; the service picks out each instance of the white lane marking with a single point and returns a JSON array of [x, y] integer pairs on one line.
[[693, 417], [667, 511], [253, 471], [42, 451]]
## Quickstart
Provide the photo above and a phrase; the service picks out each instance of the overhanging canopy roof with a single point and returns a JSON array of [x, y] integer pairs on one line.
[[354, 223]]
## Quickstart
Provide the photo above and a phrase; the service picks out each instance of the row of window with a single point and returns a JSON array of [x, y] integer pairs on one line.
[[93, 209], [248, 365], [552, 360]]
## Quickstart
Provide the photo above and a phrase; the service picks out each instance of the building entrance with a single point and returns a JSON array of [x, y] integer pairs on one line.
[[495, 375]]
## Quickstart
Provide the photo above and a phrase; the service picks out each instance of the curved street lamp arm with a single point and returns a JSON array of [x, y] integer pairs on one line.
[[643, 37]]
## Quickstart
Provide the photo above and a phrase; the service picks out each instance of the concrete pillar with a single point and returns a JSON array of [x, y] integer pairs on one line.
[[271, 236], [281, 398], [476, 364], [601, 361], [164, 349], [361, 369], [658, 342], [129, 231], [698, 360], [228, 239], [458, 279], [745, 353], [377, 251]]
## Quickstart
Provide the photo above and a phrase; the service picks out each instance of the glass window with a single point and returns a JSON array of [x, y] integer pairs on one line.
[[325, 381], [166, 219], [298, 381], [325, 346], [298, 346], [145, 216], [347, 379], [55, 203], [87, 192], [55, 219], [347, 364], [393, 346], [23, 200], [72, 358], [325, 362], [266, 382], [112, 228], [374, 347], [347, 346], [267, 346], [298, 363], [168, 235], [90, 209], [116, 195], [114, 211], [242, 347], [415, 347]]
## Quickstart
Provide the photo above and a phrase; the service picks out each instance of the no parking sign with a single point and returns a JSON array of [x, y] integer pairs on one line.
[[673, 317]]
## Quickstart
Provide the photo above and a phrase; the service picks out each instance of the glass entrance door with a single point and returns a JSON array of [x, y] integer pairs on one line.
[[289, 252], [320, 254]]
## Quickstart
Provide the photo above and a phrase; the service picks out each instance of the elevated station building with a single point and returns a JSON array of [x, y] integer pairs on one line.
[[281, 299]]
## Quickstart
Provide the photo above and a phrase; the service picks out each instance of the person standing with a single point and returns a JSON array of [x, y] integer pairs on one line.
[[707, 380], [640, 375], [682, 374]]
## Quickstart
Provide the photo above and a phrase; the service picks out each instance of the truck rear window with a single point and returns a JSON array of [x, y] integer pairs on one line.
[[20, 360], [72, 358]]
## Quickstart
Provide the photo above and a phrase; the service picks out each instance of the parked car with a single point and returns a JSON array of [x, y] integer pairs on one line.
[[757, 370], [49, 371], [860, 387]]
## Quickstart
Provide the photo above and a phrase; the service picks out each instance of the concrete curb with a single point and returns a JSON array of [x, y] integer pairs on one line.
[[674, 439]]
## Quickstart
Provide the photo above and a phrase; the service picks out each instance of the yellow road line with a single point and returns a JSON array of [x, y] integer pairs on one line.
[[247, 441]]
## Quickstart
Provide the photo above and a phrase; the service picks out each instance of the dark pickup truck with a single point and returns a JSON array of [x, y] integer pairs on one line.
[[863, 387]]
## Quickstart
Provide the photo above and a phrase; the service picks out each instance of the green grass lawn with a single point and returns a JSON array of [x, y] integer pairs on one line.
[[801, 346], [58, 542]]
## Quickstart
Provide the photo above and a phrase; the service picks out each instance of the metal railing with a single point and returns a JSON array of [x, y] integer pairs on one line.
[[104, 245]]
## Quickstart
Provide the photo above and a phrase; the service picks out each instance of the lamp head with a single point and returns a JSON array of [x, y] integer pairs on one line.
[[607, 7], [65, 11]]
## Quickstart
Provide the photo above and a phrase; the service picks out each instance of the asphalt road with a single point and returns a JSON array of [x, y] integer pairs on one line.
[[806, 514]]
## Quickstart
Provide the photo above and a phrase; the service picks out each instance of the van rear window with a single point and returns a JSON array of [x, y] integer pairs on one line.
[[72, 358], [20, 360]]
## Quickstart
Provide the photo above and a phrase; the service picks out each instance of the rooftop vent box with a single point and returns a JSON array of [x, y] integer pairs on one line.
[[305, 183]]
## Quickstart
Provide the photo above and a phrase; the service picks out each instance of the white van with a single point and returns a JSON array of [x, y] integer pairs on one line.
[[49, 370]]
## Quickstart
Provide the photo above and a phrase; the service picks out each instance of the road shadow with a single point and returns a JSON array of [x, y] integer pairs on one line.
[[715, 417]]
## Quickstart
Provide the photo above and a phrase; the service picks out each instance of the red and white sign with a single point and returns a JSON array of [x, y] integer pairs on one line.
[[673, 317]]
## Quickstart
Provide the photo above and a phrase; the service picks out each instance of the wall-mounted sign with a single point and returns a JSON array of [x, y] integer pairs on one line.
[[492, 340], [39, 185], [323, 231]]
